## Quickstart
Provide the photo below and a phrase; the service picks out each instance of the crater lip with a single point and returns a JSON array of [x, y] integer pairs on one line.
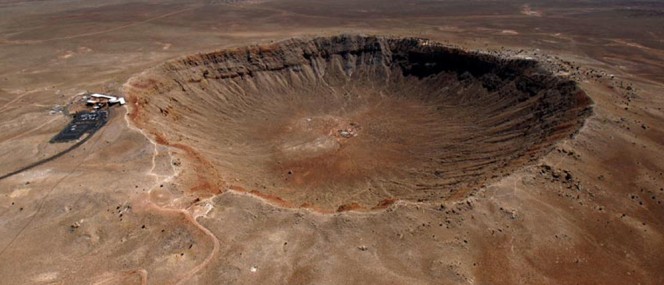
[[355, 122]]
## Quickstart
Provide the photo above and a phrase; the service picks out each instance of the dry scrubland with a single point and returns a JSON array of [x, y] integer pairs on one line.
[[520, 144]]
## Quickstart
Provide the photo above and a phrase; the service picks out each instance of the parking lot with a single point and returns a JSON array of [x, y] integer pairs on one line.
[[82, 123]]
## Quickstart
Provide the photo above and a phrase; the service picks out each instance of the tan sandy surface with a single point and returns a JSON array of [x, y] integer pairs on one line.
[[126, 208]]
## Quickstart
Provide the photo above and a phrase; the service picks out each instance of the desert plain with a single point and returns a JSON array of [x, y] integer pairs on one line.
[[334, 142]]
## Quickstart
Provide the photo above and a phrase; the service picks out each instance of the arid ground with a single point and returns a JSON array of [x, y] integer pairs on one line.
[[334, 142]]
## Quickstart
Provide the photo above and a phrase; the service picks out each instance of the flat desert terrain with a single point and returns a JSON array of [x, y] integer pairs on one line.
[[333, 142]]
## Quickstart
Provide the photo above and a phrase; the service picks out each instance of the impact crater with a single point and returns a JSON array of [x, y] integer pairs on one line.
[[355, 121]]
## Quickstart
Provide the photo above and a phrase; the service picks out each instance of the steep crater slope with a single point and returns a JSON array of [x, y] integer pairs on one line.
[[353, 121]]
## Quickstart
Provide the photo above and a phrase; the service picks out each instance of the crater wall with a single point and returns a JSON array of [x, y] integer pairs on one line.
[[350, 122]]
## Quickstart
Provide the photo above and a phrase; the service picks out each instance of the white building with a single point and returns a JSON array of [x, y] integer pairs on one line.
[[111, 99]]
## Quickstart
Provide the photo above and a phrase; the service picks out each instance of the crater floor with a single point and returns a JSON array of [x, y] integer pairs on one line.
[[350, 122]]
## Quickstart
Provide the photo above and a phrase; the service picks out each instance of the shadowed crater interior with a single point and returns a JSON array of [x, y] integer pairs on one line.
[[355, 121]]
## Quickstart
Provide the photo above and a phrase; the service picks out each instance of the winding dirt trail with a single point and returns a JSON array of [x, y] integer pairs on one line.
[[150, 205]]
